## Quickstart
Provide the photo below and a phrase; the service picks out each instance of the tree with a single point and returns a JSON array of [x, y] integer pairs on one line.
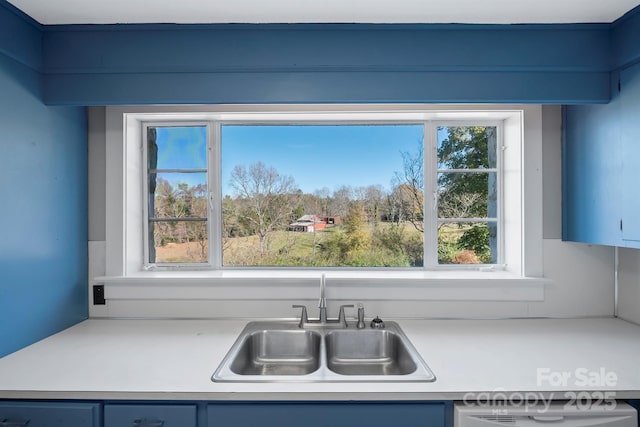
[[180, 211], [323, 197], [354, 225], [268, 198], [343, 247], [465, 194], [409, 189], [340, 201], [460, 194], [470, 195], [372, 197]]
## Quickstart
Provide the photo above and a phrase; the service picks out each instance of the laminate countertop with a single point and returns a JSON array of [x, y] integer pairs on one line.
[[472, 359]]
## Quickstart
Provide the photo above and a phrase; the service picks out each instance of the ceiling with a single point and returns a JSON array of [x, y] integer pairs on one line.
[[50, 12]]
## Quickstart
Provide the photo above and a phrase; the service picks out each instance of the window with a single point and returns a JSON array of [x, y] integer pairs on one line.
[[320, 195], [198, 235], [138, 286], [325, 191], [468, 176], [177, 208]]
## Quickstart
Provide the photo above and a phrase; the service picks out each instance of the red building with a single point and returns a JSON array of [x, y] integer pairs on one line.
[[308, 224]]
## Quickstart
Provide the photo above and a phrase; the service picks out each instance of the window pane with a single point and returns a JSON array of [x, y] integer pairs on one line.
[[467, 147], [179, 195], [179, 241], [467, 195], [467, 243], [322, 195], [177, 147], [177, 188]]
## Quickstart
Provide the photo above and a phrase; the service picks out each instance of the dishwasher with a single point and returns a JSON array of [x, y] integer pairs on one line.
[[554, 414]]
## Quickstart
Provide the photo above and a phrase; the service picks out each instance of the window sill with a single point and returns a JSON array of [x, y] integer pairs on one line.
[[344, 285]]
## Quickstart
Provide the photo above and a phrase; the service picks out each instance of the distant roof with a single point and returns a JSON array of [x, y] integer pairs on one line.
[[308, 218]]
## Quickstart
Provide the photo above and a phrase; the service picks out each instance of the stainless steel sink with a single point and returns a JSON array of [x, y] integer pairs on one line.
[[368, 352], [278, 352], [284, 352]]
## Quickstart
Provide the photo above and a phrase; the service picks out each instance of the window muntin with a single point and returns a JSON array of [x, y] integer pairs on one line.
[[425, 249], [177, 194]]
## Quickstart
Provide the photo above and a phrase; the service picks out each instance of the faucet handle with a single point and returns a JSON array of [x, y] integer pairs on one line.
[[304, 318], [341, 317]]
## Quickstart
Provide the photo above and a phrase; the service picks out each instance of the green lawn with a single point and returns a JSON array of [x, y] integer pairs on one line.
[[288, 248]]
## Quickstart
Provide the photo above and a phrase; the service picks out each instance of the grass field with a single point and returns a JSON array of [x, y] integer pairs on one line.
[[280, 247], [288, 248]]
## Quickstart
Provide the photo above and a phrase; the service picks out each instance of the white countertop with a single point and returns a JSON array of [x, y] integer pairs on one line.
[[174, 359]]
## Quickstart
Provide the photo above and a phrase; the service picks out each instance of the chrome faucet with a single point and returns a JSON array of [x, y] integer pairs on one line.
[[360, 324], [322, 305]]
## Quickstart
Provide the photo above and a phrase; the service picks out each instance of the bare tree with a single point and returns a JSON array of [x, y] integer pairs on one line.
[[268, 198], [460, 205], [372, 198], [409, 183], [323, 196], [341, 199]]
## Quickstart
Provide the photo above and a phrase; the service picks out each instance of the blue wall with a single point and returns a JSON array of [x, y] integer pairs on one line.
[[601, 153], [43, 177], [43, 190]]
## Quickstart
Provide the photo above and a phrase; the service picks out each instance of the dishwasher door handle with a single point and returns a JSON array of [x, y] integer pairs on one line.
[[547, 418]]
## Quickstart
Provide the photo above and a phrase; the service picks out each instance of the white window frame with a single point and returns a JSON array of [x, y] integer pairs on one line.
[[430, 158], [124, 251]]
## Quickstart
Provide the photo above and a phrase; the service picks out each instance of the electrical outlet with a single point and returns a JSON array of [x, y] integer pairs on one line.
[[98, 295]]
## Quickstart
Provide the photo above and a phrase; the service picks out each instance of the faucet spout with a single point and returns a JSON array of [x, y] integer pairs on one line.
[[360, 324], [322, 304]]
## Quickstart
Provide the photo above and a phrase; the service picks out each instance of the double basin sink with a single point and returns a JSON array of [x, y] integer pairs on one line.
[[284, 352]]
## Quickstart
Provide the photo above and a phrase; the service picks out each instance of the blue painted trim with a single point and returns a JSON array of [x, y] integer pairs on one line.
[[327, 87], [317, 64], [20, 37], [231, 48], [625, 35], [626, 17], [20, 14]]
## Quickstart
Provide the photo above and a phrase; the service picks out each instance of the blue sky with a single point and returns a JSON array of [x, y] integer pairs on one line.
[[318, 156], [182, 147], [315, 156]]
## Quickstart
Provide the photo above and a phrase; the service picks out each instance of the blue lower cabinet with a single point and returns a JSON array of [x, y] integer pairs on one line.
[[321, 414], [49, 414], [149, 415]]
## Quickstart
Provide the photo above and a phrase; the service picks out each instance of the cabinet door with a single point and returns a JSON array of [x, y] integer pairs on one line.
[[334, 414], [37, 414], [592, 157], [149, 415], [630, 97]]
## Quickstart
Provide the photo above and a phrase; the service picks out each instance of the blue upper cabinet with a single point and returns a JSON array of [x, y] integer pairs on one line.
[[592, 155], [630, 155], [601, 154]]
